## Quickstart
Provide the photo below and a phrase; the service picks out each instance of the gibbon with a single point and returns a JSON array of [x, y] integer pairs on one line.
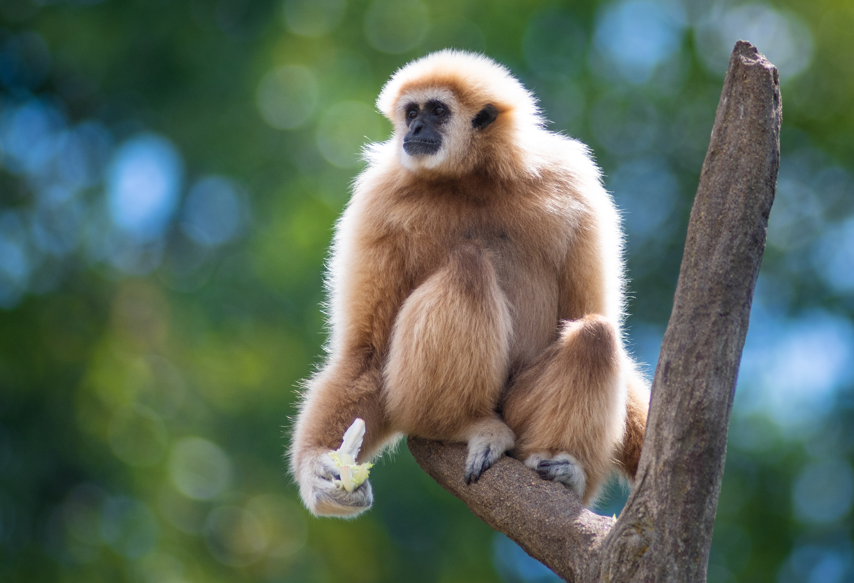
[[476, 295]]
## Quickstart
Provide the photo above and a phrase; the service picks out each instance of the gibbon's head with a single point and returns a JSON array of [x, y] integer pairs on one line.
[[456, 113]]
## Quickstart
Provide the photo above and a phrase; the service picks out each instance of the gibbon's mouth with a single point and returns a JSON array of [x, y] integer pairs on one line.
[[417, 147]]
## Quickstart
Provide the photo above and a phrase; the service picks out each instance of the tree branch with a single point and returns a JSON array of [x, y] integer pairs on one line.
[[543, 517], [664, 533]]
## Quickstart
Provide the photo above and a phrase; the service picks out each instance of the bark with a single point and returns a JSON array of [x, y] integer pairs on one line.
[[664, 533]]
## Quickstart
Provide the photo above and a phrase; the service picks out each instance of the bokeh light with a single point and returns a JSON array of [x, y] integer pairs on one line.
[[28, 136], [137, 436], [793, 369], [287, 96], [214, 211], [638, 35], [642, 188], [824, 491], [785, 39], [817, 564], [199, 468], [234, 536], [128, 526], [143, 184], [344, 130], [15, 264], [545, 56], [313, 18], [396, 26], [625, 124]]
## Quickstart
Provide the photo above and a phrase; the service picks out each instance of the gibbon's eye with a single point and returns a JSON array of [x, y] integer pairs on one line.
[[411, 113], [439, 111]]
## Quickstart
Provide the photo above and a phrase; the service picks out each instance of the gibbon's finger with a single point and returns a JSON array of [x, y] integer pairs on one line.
[[327, 469], [330, 500]]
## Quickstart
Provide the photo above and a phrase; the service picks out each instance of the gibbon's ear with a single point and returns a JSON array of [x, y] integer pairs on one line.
[[485, 117]]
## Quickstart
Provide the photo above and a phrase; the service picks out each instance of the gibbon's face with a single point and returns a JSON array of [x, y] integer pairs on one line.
[[436, 131], [425, 122]]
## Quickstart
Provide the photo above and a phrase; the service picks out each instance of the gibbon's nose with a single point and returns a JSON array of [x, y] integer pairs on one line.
[[416, 127]]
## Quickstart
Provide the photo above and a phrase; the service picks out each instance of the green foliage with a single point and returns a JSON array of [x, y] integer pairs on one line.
[[170, 173]]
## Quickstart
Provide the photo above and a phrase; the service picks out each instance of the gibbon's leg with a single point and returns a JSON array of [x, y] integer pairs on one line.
[[333, 400], [449, 357], [637, 406], [568, 408]]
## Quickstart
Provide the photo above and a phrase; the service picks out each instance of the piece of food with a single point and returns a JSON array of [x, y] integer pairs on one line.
[[352, 474]]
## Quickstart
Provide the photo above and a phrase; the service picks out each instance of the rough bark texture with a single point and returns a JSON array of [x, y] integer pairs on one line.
[[665, 531], [548, 522]]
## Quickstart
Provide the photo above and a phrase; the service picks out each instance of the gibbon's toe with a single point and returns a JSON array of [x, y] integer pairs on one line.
[[477, 463], [488, 442], [565, 469]]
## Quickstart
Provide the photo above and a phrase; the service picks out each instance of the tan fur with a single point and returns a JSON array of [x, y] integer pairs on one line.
[[488, 275], [637, 405], [572, 399], [450, 348]]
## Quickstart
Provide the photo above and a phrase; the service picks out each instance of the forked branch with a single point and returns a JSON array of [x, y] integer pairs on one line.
[[665, 531]]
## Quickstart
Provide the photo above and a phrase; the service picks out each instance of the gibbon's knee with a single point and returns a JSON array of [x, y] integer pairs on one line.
[[449, 351], [572, 400], [591, 345]]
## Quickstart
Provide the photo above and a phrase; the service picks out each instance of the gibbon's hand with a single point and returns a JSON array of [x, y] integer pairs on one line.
[[337, 485], [326, 495]]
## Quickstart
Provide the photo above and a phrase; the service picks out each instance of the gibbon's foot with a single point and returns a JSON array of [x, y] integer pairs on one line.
[[562, 468], [490, 439], [324, 495]]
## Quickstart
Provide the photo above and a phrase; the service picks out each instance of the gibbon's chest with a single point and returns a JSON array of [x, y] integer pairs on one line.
[[431, 232], [524, 243], [512, 228]]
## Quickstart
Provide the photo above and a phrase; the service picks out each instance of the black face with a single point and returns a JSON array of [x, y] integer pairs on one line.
[[425, 127]]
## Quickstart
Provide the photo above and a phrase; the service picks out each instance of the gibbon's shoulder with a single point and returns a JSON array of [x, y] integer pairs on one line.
[[561, 154]]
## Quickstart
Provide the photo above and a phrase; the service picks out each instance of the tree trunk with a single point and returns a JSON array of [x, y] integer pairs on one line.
[[665, 531]]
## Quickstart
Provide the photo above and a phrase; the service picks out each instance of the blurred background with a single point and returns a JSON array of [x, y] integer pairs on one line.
[[170, 173]]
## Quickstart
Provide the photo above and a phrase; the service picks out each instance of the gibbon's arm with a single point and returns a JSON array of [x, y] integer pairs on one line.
[[368, 285]]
